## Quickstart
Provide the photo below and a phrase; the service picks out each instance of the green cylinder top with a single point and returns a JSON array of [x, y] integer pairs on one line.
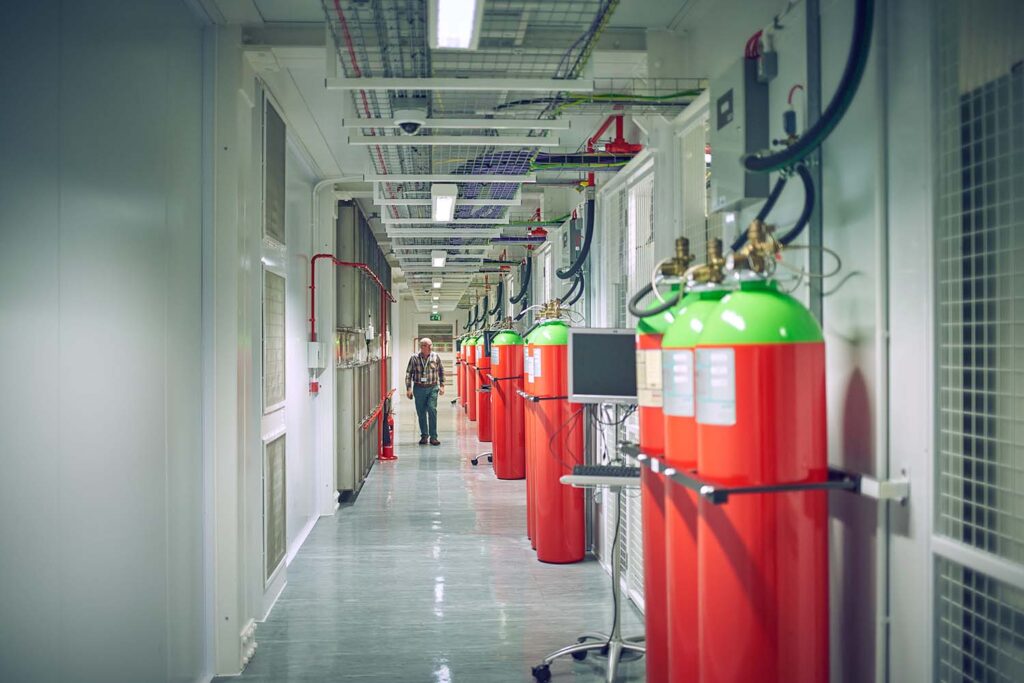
[[690, 316], [507, 338], [549, 333], [758, 313], [659, 324], [472, 341]]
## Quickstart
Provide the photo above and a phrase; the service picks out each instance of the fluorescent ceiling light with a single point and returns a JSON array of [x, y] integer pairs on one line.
[[438, 258], [434, 307], [442, 199], [437, 284], [436, 298], [455, 24]]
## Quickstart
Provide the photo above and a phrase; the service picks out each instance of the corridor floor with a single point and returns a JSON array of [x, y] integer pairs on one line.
[[429, 577]]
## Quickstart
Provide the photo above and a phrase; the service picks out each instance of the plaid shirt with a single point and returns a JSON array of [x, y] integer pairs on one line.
[[424, 370]]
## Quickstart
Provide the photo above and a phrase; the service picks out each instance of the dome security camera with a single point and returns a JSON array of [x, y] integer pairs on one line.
[[409, 121]]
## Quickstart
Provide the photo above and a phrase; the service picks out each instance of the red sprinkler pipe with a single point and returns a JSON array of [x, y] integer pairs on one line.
[[312, 286], [385, 296]]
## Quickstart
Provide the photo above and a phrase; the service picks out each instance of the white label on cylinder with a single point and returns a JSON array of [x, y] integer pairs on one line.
[[716, 387], [494, 355], [648, 378], [527, 364], [677, 368], [536, 364]]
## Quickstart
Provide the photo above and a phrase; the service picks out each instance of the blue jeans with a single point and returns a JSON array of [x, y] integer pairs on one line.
[[426, 409]]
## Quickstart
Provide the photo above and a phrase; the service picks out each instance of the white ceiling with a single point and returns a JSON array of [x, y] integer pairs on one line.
[[295, 74]]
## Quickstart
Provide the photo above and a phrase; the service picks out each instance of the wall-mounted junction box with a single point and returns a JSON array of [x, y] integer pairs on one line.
[[739, 125], [316, 354]]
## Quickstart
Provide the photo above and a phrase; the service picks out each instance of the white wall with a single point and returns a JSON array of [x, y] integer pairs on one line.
[[101, 493], [302, 507]]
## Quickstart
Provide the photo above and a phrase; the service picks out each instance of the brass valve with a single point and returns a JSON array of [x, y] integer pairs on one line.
[[759, 251], [677, 265], [712, 270], [551, 310]]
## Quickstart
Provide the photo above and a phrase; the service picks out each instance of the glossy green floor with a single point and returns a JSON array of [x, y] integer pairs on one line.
[[429, 577]]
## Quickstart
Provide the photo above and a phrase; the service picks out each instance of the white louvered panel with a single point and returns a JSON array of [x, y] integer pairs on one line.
[[635, 552]]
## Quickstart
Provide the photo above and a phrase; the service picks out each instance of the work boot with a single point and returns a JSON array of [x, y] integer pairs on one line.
[[435, 442], [423, 441]]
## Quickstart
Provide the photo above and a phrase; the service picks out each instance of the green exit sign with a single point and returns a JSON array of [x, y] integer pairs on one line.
[[435, 316]]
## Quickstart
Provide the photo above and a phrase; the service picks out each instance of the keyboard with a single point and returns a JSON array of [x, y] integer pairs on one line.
[[605, 471]]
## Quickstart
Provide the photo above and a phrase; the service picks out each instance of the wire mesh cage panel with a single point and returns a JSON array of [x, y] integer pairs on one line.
[[981, 288], [979, 626], [979, 496]]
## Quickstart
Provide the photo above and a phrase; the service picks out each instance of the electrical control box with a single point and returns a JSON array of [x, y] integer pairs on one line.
[[739, 126]]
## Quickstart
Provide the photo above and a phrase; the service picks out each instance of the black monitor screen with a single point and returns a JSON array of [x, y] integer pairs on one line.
[[602, 365]]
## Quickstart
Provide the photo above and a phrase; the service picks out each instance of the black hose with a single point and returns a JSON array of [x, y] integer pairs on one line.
[[588, 236], [805, 215], [634, 303], [572, 289], [856, 61], [582, 284], [525, 284], [487, 302], [769, 204], [500, 298]]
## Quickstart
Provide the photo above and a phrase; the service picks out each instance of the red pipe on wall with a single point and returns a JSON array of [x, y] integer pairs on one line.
[[385, 296]]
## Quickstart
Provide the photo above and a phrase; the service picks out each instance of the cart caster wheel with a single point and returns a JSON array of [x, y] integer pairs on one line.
[[474, 461], [579, 656], [542, 673], [490, 458]]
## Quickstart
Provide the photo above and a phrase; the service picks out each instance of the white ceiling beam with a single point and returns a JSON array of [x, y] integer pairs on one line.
[[444, 233], [388, 220], [447, 178], [463, 84], [458, 202], [380, 199], [451, 141], [427, 247], [466, 124]]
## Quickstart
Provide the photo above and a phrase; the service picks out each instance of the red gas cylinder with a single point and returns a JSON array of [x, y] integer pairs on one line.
[[558, 447], [529, 427], [472, 379], [680, 432], [649, 331], [458, 376], [483, 392], [762, 559], [464, 386], [509, 439]]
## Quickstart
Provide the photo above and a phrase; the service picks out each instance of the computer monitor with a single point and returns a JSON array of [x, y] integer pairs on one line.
[[602, 365]]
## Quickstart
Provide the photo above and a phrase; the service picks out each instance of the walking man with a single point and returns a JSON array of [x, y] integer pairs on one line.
[[424, 380]]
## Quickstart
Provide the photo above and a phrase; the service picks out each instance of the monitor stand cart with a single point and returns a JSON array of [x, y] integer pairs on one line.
[[612, 644]]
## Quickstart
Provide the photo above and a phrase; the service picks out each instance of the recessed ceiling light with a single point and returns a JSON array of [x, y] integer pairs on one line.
[[438, 258], [437, 284], [442, 201], [455, 24]]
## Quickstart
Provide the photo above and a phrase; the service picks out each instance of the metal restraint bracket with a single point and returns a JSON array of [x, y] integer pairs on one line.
[[897, 489], [889, 489]]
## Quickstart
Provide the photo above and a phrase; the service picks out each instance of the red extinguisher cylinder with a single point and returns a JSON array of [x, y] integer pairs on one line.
[[762, 558], [507, 422], [530, 428], [472, 380], [483, 393], [559, 447]]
